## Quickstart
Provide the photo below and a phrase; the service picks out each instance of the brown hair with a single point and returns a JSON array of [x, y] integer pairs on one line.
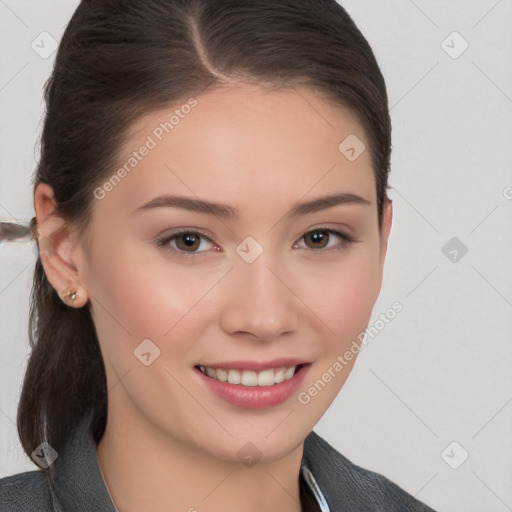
[[121, 59]]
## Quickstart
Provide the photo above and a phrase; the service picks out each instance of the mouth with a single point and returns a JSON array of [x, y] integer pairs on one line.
[[249, 377], [250, 384]]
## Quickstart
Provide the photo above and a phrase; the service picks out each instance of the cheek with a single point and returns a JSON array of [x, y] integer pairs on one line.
[[134, 299], [343, 299], [343, 294]]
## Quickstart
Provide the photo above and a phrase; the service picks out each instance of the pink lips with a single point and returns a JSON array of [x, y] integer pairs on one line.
[[256, 396]]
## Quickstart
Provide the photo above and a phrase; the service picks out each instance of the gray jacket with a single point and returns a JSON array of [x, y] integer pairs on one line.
[[333, 483]]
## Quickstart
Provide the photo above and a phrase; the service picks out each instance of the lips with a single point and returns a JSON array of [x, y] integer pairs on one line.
[[254, 384]]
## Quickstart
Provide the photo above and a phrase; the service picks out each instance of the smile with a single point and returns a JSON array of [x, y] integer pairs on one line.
[[254, 385]]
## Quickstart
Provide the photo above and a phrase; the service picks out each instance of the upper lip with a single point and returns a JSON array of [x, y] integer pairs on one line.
[[257, 365]]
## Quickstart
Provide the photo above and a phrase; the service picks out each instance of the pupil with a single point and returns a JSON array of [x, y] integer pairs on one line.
[[189, 240], [318, 236]]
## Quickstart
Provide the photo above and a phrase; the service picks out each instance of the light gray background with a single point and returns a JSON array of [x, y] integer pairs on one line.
[[441, 371]]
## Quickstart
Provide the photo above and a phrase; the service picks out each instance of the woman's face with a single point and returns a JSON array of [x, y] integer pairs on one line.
[[259, 287]]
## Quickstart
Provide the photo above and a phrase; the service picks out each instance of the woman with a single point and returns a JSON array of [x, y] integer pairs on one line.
[[212, 223]]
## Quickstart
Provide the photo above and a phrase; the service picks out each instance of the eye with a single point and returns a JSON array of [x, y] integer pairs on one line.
[[187, 242], [320, 237]]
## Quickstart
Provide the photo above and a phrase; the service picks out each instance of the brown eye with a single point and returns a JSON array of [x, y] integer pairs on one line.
[[187, 241], [319, 238]]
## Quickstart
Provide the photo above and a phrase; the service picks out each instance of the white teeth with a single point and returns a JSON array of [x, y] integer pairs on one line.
[[266, 378], [279, 377], [288, 374], [250, 378], [234, 377], [222, 375]]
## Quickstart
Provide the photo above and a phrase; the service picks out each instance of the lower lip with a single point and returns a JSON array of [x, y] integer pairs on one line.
[[255, 397]]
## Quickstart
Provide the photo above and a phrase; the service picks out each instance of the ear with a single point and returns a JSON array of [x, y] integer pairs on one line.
[[387, 219], [57, 246]]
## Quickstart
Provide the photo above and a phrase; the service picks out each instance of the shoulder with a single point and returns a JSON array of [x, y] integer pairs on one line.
[[357, 488], [25, 492]]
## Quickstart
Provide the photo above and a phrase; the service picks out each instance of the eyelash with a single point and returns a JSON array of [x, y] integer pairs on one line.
[[163, 241]]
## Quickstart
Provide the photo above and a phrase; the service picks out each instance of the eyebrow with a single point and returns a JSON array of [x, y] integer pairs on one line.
[[228, 212]]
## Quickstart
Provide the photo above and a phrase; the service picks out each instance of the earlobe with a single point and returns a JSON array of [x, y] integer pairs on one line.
[[56, 248]]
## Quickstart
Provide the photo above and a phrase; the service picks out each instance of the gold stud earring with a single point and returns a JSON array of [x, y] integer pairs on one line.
[[69, 297]]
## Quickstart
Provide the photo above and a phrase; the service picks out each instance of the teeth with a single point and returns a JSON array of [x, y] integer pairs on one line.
[[222, 375], [266, 378], [234, 377], [250, 378], [279, 377], [288, 374]]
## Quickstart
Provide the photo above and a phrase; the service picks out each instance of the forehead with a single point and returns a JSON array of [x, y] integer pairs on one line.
[[246, 145]]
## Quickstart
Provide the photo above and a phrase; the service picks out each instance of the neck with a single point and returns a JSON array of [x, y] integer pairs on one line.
[[145, 468]]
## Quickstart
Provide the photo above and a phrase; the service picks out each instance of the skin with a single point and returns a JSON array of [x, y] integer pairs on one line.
[[169, 439]]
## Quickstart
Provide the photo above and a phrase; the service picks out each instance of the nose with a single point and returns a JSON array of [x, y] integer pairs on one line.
[[260, 302]]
